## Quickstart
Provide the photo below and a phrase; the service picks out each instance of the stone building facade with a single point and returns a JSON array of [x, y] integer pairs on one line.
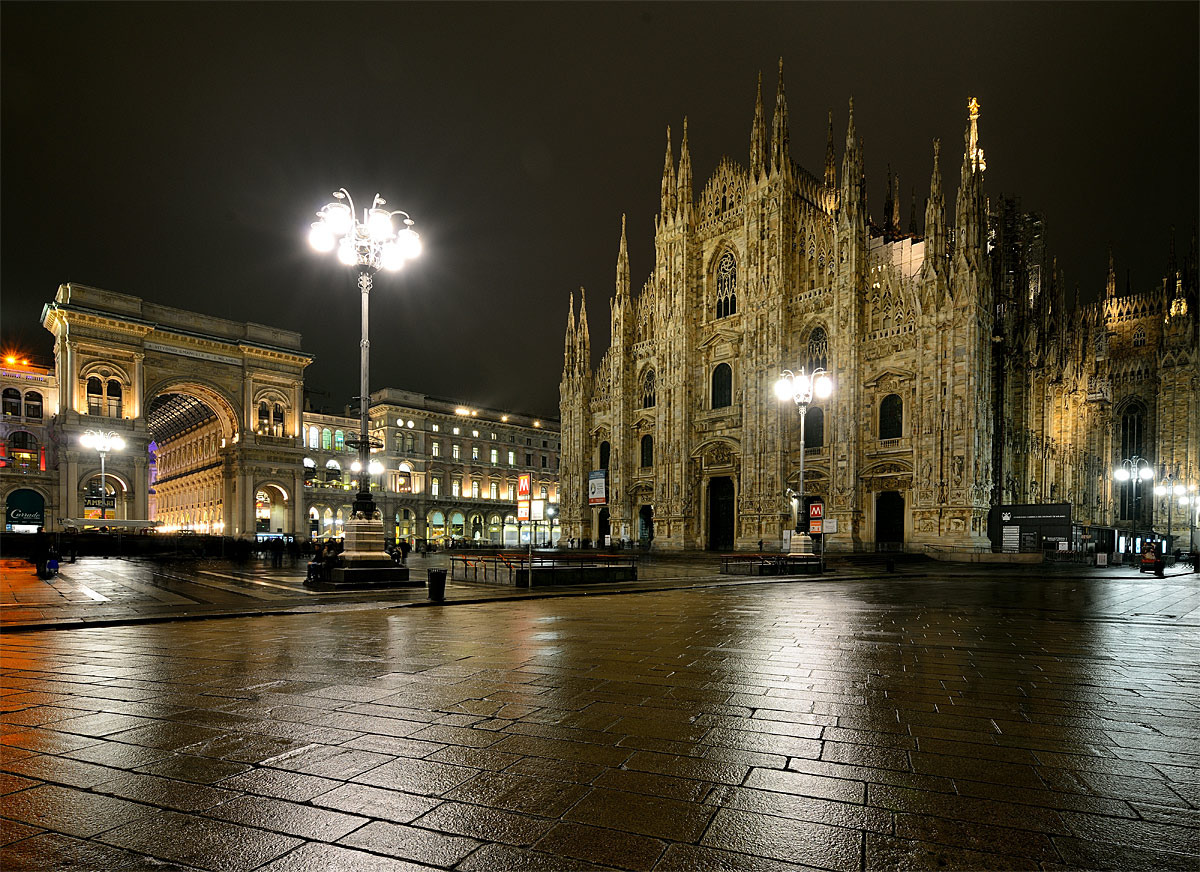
[[960, 377], [449, 471]]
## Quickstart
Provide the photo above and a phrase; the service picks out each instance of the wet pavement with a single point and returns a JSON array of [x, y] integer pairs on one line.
[[932, 719]]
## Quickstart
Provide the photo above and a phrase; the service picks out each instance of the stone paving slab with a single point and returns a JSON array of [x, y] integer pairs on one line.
[[973, 721]]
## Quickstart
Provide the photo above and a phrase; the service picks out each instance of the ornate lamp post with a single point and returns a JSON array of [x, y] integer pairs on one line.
[[801, 388], [1172, 489], [368, 245], [550, 513], [1134, 470], [102, 441]]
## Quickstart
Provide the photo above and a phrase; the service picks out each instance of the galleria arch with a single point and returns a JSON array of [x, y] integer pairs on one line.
[[187, 393]]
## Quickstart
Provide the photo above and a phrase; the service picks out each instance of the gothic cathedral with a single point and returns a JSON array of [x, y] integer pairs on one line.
[[961, 380]]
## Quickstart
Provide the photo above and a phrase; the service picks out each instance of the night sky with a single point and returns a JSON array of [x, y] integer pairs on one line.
[[177, 152]]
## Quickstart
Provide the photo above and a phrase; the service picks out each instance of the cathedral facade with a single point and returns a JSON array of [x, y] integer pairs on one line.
[[961, 379]]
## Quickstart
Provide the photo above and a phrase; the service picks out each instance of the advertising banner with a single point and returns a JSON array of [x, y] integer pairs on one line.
[[524, 486], [597, 487], [537, 510], [522, 510], [24, 508]]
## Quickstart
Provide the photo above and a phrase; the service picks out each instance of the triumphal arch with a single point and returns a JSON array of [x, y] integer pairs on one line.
[[209, 411]]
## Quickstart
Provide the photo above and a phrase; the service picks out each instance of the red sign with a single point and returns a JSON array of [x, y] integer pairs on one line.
[[524, 485], [814, 526], [816, 510], [522, 510]]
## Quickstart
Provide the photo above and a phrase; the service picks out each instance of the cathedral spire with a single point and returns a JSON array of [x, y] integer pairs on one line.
[[758, 138], [912, 213], [570, 342], [780, 157], [935, 216], [685, 176], [623, 266], [969, 218], [668, 182], [584, 341], [889, 228], [895, 216], [830, 158], [1110, 288], [852, 174]]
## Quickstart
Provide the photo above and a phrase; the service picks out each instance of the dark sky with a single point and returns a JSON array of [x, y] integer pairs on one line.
[[177, 152]]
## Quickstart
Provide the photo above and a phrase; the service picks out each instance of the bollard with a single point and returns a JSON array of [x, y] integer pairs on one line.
[[437, 584]]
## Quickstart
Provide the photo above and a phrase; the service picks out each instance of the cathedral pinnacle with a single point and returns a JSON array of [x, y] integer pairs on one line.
[[668, 182], [935, 215], [585, 342], [685, 175], [623, 265], [780, 156], [570, 338], [973, 149], [1110, 288], [758, 137], [830, 158]]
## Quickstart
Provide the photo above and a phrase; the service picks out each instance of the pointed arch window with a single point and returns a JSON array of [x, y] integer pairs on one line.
[[1139, 337], [818, 349], [891, 417], [1132, 493], [648, 390], [814, 428], [722, 386], [647, 451], [726, 286], [605, 450]]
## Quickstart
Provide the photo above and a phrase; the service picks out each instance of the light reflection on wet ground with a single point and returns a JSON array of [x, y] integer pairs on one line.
[[977, 722]]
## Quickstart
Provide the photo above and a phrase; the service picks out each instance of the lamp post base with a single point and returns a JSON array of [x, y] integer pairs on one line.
[[364, 562], [801, 544]]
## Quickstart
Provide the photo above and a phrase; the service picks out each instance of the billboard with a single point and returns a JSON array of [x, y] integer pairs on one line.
[[597, 487]]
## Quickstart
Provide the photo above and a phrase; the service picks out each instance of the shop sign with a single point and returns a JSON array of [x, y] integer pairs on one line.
[[25, 508]]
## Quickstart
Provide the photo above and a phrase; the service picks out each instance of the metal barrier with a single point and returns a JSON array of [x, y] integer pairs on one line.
[[518, 569]]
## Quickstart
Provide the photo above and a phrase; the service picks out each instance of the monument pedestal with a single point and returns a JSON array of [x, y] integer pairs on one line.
[[801, 544], [365, 564]]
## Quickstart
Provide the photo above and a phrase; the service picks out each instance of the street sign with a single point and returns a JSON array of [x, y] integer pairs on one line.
[[816, 510], [814, 526], [524, 486], [522, 510]]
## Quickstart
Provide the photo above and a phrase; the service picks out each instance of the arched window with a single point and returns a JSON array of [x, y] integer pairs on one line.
[[648, 389], [722, 386], [24, 447], [339, 440], [647, 451], [33, 404], [264, 417], [277, 420], [314, 437], [113, 398], [818, 349], [814, 427], [326, 440], [1133, 492], [12, 402], [605, 450], [95, 396], [891, 417], [726, 286], [1139, 337]]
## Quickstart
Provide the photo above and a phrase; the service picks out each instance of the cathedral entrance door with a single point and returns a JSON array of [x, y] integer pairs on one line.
[[889, 521], [603, 528], [645, 524], [720, 514]]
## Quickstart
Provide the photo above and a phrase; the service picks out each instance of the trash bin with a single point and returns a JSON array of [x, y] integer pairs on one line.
[[437, 584]]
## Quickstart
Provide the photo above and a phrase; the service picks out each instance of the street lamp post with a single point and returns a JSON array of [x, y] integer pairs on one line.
[[801, 388], [1135, 470], [368, 245], [550, 513], [1171, 488], [103, 441]]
